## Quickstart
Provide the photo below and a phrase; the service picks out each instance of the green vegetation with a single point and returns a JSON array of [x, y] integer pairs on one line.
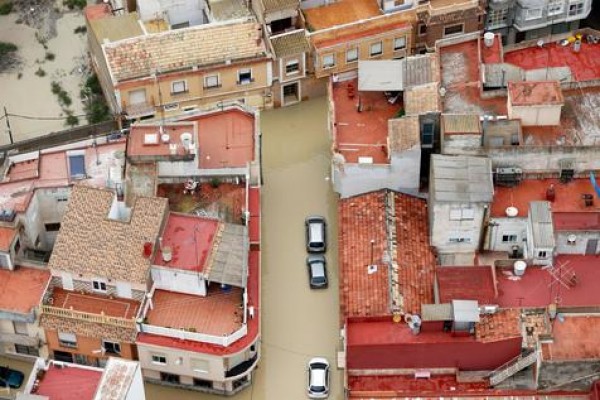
[[63, 97], [50, 56], [6, 48], [215, 182], [72, 120], [80, 29], [6, 8], [73, 4], [95, 106], [40, 72]]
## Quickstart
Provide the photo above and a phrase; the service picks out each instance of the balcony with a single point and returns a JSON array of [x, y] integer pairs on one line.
[[22, 340], [242, 368], [88, 317], [139, 110]]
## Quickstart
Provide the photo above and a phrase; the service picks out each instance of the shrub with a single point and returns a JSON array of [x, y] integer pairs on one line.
[[93, 84], [7, 48], [40, 72], [215, 182], [72, 120], [50, 56], [72, 4], [80, 29], [6, 8], [56, 88]]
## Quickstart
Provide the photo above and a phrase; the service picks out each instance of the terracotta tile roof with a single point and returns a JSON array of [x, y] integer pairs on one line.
[[22, 289], [363, 237], [535, 93], [504, 324], [466, 283], [73, 383], [403, 133], [289, 44], [276, 5], [453, 124], [91, 244], [183, 49], [341, 12], [422, 99]]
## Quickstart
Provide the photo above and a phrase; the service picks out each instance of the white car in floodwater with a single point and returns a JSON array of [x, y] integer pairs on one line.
[[318, 378]]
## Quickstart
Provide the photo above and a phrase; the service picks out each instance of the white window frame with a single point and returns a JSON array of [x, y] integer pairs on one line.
[[208, 79], [497, 17], [533, 14], [159, 359], [178, 87], [542, 254], [349, 60], [98, 284], [579, 8], [462, 213], [115, 345], [462, 29], [67, 339], [244, 71], [509, 236], [402, 41], [326, 65], [295, 62], [555, 7], [377, 53], [194, 365]]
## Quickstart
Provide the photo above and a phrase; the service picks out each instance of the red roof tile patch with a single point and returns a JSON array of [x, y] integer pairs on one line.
[[190, 239], [535, 93], [341, 12], [567, 198], [69, 383], [22, 289], [359, 31], [576, 221], [466, 283], [23, 170], [501, 325], [575, 338]]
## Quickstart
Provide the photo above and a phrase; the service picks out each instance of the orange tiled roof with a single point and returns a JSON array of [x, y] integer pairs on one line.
[[502, 325], [363, 239]]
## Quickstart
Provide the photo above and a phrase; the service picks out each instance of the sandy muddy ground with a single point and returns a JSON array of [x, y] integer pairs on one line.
[[31, 95]]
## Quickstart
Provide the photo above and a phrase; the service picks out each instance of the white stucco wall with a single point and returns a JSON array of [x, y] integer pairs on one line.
[[506, 226], [580, 245], [178, 281], [177, 11], [536, 115], [443, 228]]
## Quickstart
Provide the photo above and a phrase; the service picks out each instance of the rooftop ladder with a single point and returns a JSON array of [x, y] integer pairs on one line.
[[512, 367]]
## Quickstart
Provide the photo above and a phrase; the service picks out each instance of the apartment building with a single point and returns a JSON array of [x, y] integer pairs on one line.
[[521, 20], [146, 75], [99, 276]]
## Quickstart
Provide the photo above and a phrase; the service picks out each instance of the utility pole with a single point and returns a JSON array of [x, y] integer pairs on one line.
[[8, 126]]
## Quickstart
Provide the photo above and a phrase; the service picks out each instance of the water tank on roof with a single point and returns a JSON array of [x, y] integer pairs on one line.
[[488, 39], [186, 140], [512, 211], [519, 267]]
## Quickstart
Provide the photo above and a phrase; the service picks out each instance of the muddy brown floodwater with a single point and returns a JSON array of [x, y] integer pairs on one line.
[[298, 323]]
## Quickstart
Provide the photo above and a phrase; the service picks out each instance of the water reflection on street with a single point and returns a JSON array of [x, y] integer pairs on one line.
[[298, 323]]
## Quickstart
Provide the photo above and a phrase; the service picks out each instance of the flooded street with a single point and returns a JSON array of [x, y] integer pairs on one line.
[[298, 323]]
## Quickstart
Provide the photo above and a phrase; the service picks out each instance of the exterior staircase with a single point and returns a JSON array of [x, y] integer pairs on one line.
[[512, 367]]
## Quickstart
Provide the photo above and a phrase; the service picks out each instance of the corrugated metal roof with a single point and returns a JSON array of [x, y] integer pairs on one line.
[[461, 179], [461, 123], [230, 262], [465, 310], [436, 312], [289, 44], [540, 217]]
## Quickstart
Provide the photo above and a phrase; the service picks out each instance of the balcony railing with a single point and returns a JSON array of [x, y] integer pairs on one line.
[[195, 336], [87, 317], [22, 340]]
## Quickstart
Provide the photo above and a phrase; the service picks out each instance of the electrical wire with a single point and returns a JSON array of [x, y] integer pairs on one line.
[[43, 118]]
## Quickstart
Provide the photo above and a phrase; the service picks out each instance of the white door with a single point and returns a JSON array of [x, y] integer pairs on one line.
[[124, 290], [67, 281]]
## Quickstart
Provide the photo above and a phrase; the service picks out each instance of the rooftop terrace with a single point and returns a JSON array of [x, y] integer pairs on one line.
[[94, 304], [22, 289], [69, 383], [219, 313], [340, 12], [361, 120], [146, 140], [575, 338]]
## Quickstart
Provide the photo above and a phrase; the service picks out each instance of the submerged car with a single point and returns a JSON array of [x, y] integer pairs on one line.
[[11, 378], [317, 271], [318, 378], [316, 237]]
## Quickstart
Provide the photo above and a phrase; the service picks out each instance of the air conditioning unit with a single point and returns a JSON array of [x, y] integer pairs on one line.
[[508, 176], [488, 309]]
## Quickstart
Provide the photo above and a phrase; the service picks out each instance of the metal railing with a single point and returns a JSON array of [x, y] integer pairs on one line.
[[87, 317]]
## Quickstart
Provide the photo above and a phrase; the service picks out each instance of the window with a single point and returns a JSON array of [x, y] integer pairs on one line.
[[533, 13], [202, 383], [20, 328], [245, 76], [542, 254], [459, 238], [181, 25], [179, 87], [422, 29], [211, 81], [509, 238], [99, 286], [427, 133], [199, 365], [376, 49], [497, 17], [29, 350], [555, 7], [462, 213], [171, 107], [292, 67], [453, 29], [111, 347], [53, 227], [575, 9], [170, 378], [399, 43], [352, 55], [66, 339], [159, 359], [328, 61], [77, 166]]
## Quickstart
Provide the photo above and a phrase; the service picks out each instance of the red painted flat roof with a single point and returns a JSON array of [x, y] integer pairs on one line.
[[243, 343], [254, 208], [218, 313], [95, 303], [567, 196], [139, 144], [225, 139], [341, 12], [7, 235], [69, 383], [22, 289], [585, 65], [537, 288], [576, 221], [361, 133], [535, 93], [191, 240], [574, 338], [492, 55], [466, 283]]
